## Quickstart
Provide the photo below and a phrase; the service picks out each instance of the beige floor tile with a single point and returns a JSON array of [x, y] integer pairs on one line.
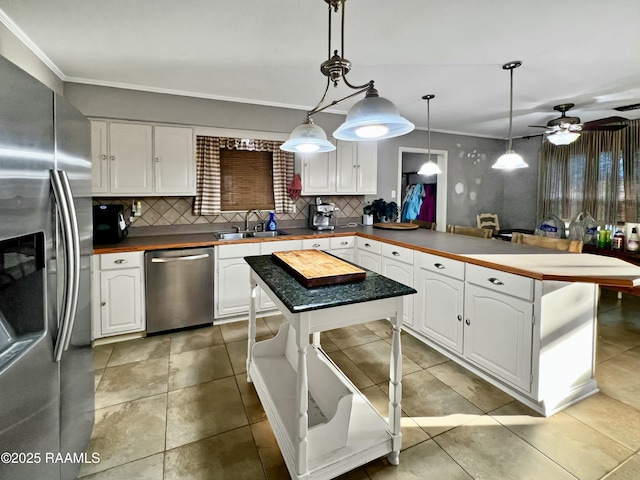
[[381, 328], [350, 369], [351, 336], [479, 392], [127, 432], [424, 461], [629, 470], [195, 339], [434, 406], [238, 354], [149, 468], [486, 449], [274, 322], [412, 434], [139, 349], [374, 358], [627, 336], [250, 400], [606, 350], [611, 417], [230, 455], [326, 343], [576, 447], [418, 352], [618, 377], [198, 366], [269, 452], [132, 381], [197, 412], [97, 376], [236, 331], [101, 355]]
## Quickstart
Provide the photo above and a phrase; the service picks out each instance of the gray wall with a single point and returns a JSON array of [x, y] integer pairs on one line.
[[521, 187]]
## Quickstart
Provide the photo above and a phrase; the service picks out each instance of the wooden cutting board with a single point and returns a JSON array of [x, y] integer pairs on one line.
[[396, 226], [313, 268]]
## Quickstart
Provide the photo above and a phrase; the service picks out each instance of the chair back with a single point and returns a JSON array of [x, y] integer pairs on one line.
[[488, 220], [470, 231], [423, 224], [547, 242]]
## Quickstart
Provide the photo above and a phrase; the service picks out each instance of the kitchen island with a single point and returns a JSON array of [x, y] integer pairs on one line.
[[323, 424]]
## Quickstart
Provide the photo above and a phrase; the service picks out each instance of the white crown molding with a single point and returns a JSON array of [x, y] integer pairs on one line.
[[24, 38], [465, 134]]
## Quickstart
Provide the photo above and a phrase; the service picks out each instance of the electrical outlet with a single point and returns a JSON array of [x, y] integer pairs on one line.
[[393, 194], [295, 209], [136, 208]]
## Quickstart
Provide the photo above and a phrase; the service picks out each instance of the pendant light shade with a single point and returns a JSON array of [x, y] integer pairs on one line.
[[308, 138], [373, 118], [563, 137], [510, 160], [429, 167]]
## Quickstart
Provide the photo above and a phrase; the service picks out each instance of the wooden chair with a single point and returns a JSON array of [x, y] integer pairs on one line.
[[488, 220], [471, 231], [423, 224], [546, 242]]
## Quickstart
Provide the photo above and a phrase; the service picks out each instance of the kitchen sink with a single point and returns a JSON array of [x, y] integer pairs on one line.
[[250, 234]]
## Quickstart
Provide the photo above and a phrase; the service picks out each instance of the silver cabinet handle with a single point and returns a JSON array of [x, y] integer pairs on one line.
[[120, 261], [112, 158], [459, 318], [344, 243], [495, 281], [395, 254], [102, 304], [368, 245], [467, 321], [315, 245], [157, 159], [439, 266], [179, 259], [103, 157]]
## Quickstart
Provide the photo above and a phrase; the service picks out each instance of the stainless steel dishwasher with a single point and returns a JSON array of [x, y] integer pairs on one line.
[[179, 288]]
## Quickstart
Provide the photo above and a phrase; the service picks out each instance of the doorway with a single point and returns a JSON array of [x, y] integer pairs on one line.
[[409, 161]]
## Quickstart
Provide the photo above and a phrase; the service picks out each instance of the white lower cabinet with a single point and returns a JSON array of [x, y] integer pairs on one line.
[[232, 292], [117, 294], [267, 248], [397, 264], [342, 247], [367, 254]]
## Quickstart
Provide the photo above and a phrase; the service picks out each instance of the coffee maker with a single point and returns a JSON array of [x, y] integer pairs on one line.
[[320, 215]]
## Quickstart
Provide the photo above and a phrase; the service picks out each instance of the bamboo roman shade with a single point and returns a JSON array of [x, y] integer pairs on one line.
[[246, 179]]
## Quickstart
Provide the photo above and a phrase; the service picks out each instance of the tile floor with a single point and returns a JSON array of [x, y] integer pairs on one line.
[[178, 406]]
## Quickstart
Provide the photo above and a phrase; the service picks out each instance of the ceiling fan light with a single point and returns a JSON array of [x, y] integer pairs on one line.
[[307, 138], [563, 138], [509, 161], [429, 168], [376, 114]]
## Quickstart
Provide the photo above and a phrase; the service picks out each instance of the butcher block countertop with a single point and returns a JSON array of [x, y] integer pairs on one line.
[[530, 261]]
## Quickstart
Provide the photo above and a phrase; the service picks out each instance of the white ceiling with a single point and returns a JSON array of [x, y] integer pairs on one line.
[[268, 52]]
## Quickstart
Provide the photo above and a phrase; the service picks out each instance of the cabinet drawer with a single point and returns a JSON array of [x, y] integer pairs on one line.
[[368, 245], [239, 250], [442, 265], [508, 283], [341, 242], [316, 243], [400, 254], [113, 261]]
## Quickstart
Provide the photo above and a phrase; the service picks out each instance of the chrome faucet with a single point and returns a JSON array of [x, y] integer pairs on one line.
[[246, 219]]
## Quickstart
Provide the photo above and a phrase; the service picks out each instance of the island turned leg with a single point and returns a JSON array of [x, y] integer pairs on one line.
[[395, 386], [302, 396], [253, 285]]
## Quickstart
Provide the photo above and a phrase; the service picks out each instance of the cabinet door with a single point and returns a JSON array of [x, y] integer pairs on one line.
[[99, 158], [344, 253], [233, 287], [130, 154], [121, 301], [318, 173], [174, 161], [367, 171], [439, 308], [403, 273], [346, 167], [498, 332], [368, 260]]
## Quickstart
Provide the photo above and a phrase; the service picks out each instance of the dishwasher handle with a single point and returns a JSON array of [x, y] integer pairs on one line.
[[179, 259]]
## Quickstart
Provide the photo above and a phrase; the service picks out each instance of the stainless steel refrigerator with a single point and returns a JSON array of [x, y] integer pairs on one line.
[[46, 361]]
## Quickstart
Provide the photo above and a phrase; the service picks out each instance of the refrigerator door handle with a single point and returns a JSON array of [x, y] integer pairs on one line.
[[58, 180]]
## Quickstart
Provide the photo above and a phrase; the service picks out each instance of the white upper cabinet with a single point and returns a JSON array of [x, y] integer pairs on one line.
[[141, 159], [352, 169]]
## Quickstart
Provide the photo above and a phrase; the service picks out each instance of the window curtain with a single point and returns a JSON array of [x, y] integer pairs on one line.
[[598, 173], [207, 200]]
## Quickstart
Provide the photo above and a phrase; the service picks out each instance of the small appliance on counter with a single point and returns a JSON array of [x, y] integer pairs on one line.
[[108, 224], [320, 215]]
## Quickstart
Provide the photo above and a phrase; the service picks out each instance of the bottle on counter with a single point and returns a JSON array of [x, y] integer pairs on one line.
[[633, 244], [619, 237], [271, 223]]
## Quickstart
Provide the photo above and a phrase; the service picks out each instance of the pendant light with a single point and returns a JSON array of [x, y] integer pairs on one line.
[[372, 118], [430, 167], [510, 160]]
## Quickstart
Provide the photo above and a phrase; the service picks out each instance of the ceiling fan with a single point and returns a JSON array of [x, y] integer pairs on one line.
[[564, 130]]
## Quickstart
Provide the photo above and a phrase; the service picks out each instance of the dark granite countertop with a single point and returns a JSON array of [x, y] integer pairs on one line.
[[298, 298]]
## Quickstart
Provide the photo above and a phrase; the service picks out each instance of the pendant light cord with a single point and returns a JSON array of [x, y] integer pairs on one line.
[[429, 127], [510, 109]]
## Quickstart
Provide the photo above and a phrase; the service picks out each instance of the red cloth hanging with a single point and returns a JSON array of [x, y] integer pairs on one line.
[[295, 187]]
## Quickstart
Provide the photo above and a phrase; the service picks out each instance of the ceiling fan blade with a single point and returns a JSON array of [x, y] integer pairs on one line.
[[538, 126], [605, 121], [603, 128]]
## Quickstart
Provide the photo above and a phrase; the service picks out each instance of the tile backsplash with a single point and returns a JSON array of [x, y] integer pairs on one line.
[[164, 211]]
